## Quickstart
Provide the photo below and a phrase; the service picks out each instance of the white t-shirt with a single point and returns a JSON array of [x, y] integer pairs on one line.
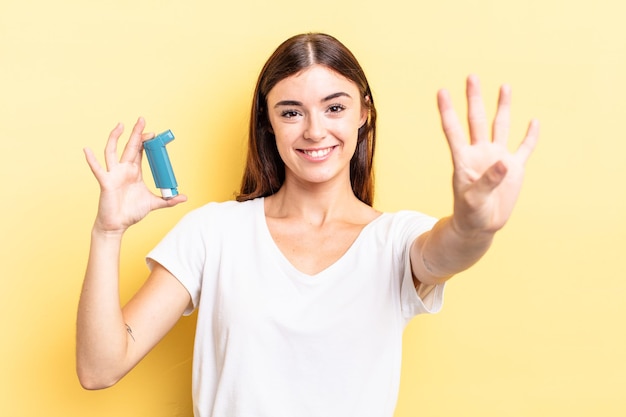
[[272, 341]]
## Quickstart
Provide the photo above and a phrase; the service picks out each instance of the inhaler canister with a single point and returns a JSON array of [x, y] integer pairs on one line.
[[160, 165]]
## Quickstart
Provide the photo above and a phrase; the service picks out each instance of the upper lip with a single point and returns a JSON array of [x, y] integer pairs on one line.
[[317, 153], [316, 149]]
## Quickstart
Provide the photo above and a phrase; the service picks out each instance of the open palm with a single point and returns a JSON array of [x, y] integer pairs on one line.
[[487, 177]]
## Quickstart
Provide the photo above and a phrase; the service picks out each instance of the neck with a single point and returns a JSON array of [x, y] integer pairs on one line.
[[313, 203]]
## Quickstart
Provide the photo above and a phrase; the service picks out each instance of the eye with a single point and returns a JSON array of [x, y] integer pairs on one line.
[[289, 114], [336, 108]]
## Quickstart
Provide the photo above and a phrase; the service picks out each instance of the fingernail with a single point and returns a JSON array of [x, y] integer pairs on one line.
[[500, 168]]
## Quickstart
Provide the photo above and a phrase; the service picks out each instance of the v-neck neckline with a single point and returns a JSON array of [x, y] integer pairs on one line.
[[288, 265]]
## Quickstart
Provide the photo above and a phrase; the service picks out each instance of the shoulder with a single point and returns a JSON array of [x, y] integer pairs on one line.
[[404, 217], [411, 216], [226, 210], [215, 216], [405, 224]]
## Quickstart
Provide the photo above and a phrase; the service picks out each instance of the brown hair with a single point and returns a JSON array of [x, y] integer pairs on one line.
[[265, 171]]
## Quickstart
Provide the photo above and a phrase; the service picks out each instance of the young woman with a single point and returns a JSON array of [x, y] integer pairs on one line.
[[303, 288]]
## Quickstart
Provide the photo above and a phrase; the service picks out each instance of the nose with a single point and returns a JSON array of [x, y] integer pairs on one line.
[[315, 128]]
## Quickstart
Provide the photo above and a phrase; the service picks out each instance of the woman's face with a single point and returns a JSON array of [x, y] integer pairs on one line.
[[315, 116]]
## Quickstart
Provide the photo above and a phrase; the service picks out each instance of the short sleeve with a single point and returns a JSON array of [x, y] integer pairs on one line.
[[183, 252], [429, 300]]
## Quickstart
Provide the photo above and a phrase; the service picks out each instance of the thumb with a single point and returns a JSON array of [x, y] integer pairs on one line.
[[490, 179], [160, 203]]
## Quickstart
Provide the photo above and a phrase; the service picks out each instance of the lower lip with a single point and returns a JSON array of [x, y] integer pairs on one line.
[[311, 158]]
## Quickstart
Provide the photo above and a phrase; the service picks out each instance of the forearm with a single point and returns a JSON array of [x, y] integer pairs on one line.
[[102, 339], [444, 251]]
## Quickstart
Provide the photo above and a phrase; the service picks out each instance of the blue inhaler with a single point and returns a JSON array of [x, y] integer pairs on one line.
[[160, 164]]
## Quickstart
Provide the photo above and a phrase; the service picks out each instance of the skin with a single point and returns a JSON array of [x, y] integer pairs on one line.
[[314, 112], [486, 183], [105, 349], [314, 217]]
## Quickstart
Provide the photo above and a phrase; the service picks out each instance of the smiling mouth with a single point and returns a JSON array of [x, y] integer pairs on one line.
[[317, 153]]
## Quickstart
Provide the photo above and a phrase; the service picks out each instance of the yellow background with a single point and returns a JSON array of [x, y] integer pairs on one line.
[[535, 329]]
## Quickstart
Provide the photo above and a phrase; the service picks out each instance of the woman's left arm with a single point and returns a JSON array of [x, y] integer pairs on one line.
[[486, 183]]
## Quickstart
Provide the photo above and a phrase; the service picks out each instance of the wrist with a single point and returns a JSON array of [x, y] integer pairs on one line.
[[470, 233], [97, 231]]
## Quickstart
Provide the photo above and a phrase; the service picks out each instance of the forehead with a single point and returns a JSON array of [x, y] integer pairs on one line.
[[314, 81]]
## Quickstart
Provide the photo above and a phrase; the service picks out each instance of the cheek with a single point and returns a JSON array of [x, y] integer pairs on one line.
[[349, 131], [284, 135], [284, 139]]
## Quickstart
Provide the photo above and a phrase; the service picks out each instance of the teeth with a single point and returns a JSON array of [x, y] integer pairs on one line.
[[318, 153]]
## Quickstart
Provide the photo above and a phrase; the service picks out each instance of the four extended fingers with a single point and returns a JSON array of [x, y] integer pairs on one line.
[[477, 120]]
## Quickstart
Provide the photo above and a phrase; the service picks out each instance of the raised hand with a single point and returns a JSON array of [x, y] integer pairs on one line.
[[124, 197], [487, 177]]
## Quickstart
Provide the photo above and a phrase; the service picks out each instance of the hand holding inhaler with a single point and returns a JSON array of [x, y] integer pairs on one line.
[[160, 164], [124, 196]]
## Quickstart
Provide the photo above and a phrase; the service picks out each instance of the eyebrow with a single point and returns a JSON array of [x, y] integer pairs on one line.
[[325, 99]]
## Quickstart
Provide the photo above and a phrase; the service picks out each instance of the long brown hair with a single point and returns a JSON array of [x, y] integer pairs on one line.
[[265, 171]]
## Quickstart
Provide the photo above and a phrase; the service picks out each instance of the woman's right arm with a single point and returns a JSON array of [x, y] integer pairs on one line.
[[111, 340]]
